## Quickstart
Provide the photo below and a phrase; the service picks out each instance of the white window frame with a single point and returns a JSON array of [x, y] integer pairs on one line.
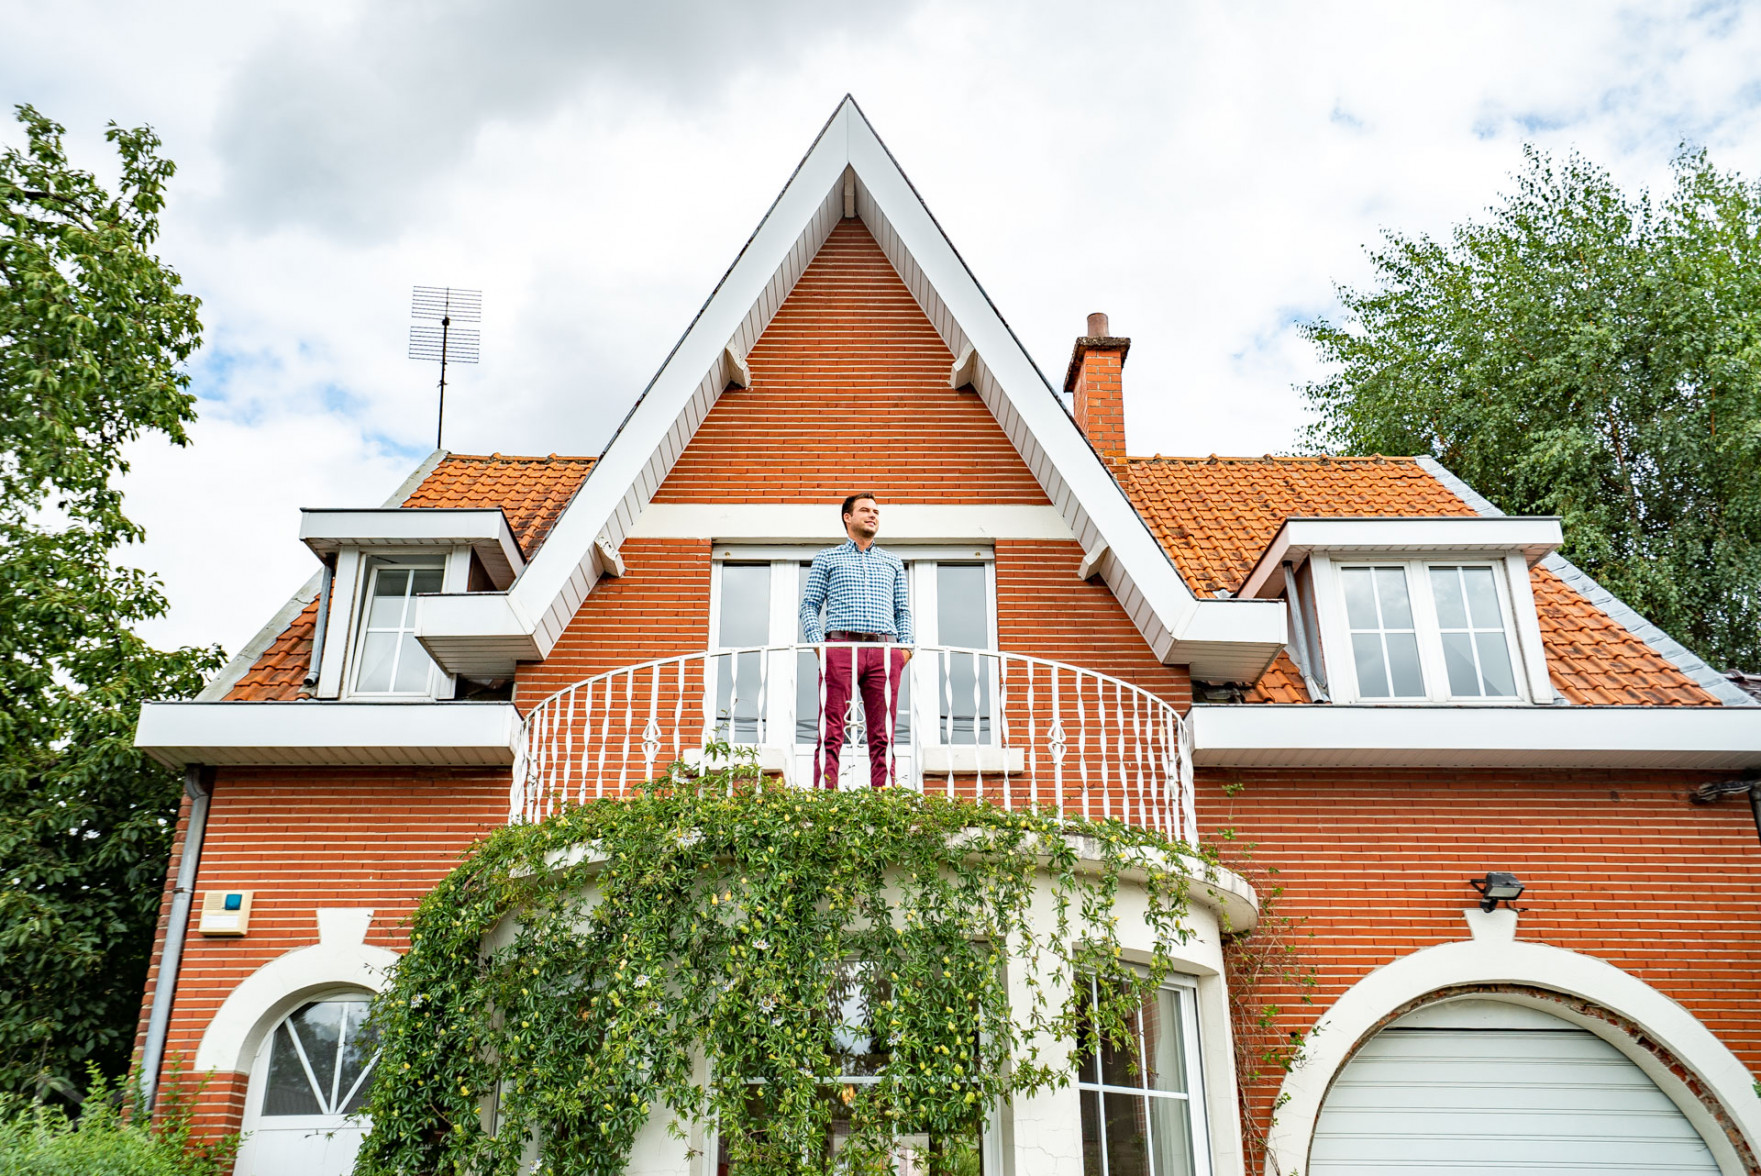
[[263, 1130], [346, 629], [921, 562], [1516, 605], [1197, 1114]]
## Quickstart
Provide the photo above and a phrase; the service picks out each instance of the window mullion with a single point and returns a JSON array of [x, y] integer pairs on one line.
[[1427, 630]]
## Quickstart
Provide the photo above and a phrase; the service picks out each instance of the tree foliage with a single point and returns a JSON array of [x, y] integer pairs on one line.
[[1585, 353], [727, 950], [93, 330]]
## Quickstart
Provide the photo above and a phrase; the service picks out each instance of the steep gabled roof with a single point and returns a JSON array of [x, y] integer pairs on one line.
[[849, 172]]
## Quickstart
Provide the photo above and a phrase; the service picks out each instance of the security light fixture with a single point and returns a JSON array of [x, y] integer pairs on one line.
[[1497, 887]]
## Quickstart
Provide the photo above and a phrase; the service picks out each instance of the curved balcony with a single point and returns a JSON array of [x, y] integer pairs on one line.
[[1004, 727]]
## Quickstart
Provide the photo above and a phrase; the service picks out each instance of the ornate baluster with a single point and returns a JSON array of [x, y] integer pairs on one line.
[[679, 714], [977, 729], [651, 729], [586, 737], [1032, 740], [1143, 758], [947, 692], [1002, 723], [629, 729], [1082, 739]]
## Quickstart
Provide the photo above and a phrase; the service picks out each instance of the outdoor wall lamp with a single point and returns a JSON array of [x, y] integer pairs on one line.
[[1497, 887]]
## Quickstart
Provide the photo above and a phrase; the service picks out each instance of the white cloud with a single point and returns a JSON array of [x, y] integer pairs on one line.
[[1204, 173]]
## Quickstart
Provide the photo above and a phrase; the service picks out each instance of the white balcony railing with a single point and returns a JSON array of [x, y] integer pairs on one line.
[[1005, 727]]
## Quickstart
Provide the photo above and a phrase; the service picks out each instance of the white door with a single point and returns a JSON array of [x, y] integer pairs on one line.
[[1476, 1087], [310, 1075]]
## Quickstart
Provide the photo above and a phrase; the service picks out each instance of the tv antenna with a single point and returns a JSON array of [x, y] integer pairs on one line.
[[445, 342]]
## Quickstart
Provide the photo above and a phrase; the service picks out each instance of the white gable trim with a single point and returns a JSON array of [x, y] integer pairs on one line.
[[1666, 647], [1233, 640]]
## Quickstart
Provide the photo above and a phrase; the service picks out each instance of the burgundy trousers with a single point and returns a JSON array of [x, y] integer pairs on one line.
[[877, 672]]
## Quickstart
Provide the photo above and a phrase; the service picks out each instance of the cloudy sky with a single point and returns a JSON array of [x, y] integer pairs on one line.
[[1203, 172]]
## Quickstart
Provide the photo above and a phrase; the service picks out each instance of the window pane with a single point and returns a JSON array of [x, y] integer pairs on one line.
[[1164, 1041], [1171, 1133], [1128, 1150], [1122, 1067], [1458, 656], [426, 580], [412, 666], [1482, 598], [1360, 598], [287, 1092], [1084, 1060], [358, 1050], [738, 684], [1495, 664], [1372, 676], [376, 655], [745, 605], [387, 608], [1091, 1134], [961, 616], [1391, 587], [1403, 665], [1451, 608], [320, 1028]]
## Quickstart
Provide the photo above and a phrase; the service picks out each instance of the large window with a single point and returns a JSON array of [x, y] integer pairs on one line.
[[390, 661], [1142, 1114], [1418, 630], [864, 1057], [757, 698]]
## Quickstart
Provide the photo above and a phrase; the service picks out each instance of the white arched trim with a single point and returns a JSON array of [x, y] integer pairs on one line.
[[337, 962], [1494, 956]]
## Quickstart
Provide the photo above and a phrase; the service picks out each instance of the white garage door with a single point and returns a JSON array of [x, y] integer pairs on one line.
[[1474, 1086]]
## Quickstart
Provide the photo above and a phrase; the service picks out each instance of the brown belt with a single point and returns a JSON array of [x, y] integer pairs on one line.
[[845, 635]]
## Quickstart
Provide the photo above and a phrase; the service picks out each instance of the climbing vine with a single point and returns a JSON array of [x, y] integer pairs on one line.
[[786, 967]]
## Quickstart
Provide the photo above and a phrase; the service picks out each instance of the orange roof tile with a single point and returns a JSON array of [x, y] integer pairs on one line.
[[1215, 516], [531, 491]]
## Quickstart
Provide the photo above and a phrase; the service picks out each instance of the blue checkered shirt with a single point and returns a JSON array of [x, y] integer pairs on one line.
[[862, 591]]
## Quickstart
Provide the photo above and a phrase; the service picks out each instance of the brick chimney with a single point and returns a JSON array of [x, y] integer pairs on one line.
[[1094, 378]]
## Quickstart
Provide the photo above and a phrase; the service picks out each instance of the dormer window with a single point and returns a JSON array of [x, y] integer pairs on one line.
[[391, 660], [380, 568], [1412, 610]]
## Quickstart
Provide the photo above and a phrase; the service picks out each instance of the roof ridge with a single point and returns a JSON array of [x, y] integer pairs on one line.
[[1277, 458], [519, 457]]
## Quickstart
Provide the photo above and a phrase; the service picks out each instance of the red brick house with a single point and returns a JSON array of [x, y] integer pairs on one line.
[[1354, 663]]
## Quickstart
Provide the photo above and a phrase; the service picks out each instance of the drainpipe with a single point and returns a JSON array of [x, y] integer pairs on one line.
[[323, 623], [159, 1021]]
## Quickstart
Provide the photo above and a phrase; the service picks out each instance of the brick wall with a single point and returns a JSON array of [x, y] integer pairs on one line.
[[301, 839], [1619, 865], [850, 392]]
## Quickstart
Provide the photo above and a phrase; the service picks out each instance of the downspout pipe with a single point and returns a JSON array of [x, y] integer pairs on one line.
[[159, 1020]]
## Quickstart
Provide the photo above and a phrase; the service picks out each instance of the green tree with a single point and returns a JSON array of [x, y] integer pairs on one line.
[[1585, 353], [93, 331]]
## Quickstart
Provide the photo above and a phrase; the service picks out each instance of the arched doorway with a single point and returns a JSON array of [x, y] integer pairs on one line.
[[1486, 1086], [310, 1076]]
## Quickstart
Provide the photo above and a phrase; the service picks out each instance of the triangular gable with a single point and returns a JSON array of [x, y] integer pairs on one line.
[[849, 170]]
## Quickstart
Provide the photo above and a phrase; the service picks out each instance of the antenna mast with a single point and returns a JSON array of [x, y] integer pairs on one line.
[[460, 344]]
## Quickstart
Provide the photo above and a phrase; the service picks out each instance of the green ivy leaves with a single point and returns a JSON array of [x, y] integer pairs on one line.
[[769, 961]]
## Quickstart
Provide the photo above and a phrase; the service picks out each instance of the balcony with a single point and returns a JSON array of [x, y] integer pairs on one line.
[[1003, 727]]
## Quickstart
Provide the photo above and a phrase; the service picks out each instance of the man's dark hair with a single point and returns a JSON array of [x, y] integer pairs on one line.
[[850, 503]]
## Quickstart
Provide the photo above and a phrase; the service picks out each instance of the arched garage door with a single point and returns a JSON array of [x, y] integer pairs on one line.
[[1472, 1087]]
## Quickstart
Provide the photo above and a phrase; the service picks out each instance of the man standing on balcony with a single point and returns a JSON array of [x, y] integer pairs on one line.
[[867, 601]]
